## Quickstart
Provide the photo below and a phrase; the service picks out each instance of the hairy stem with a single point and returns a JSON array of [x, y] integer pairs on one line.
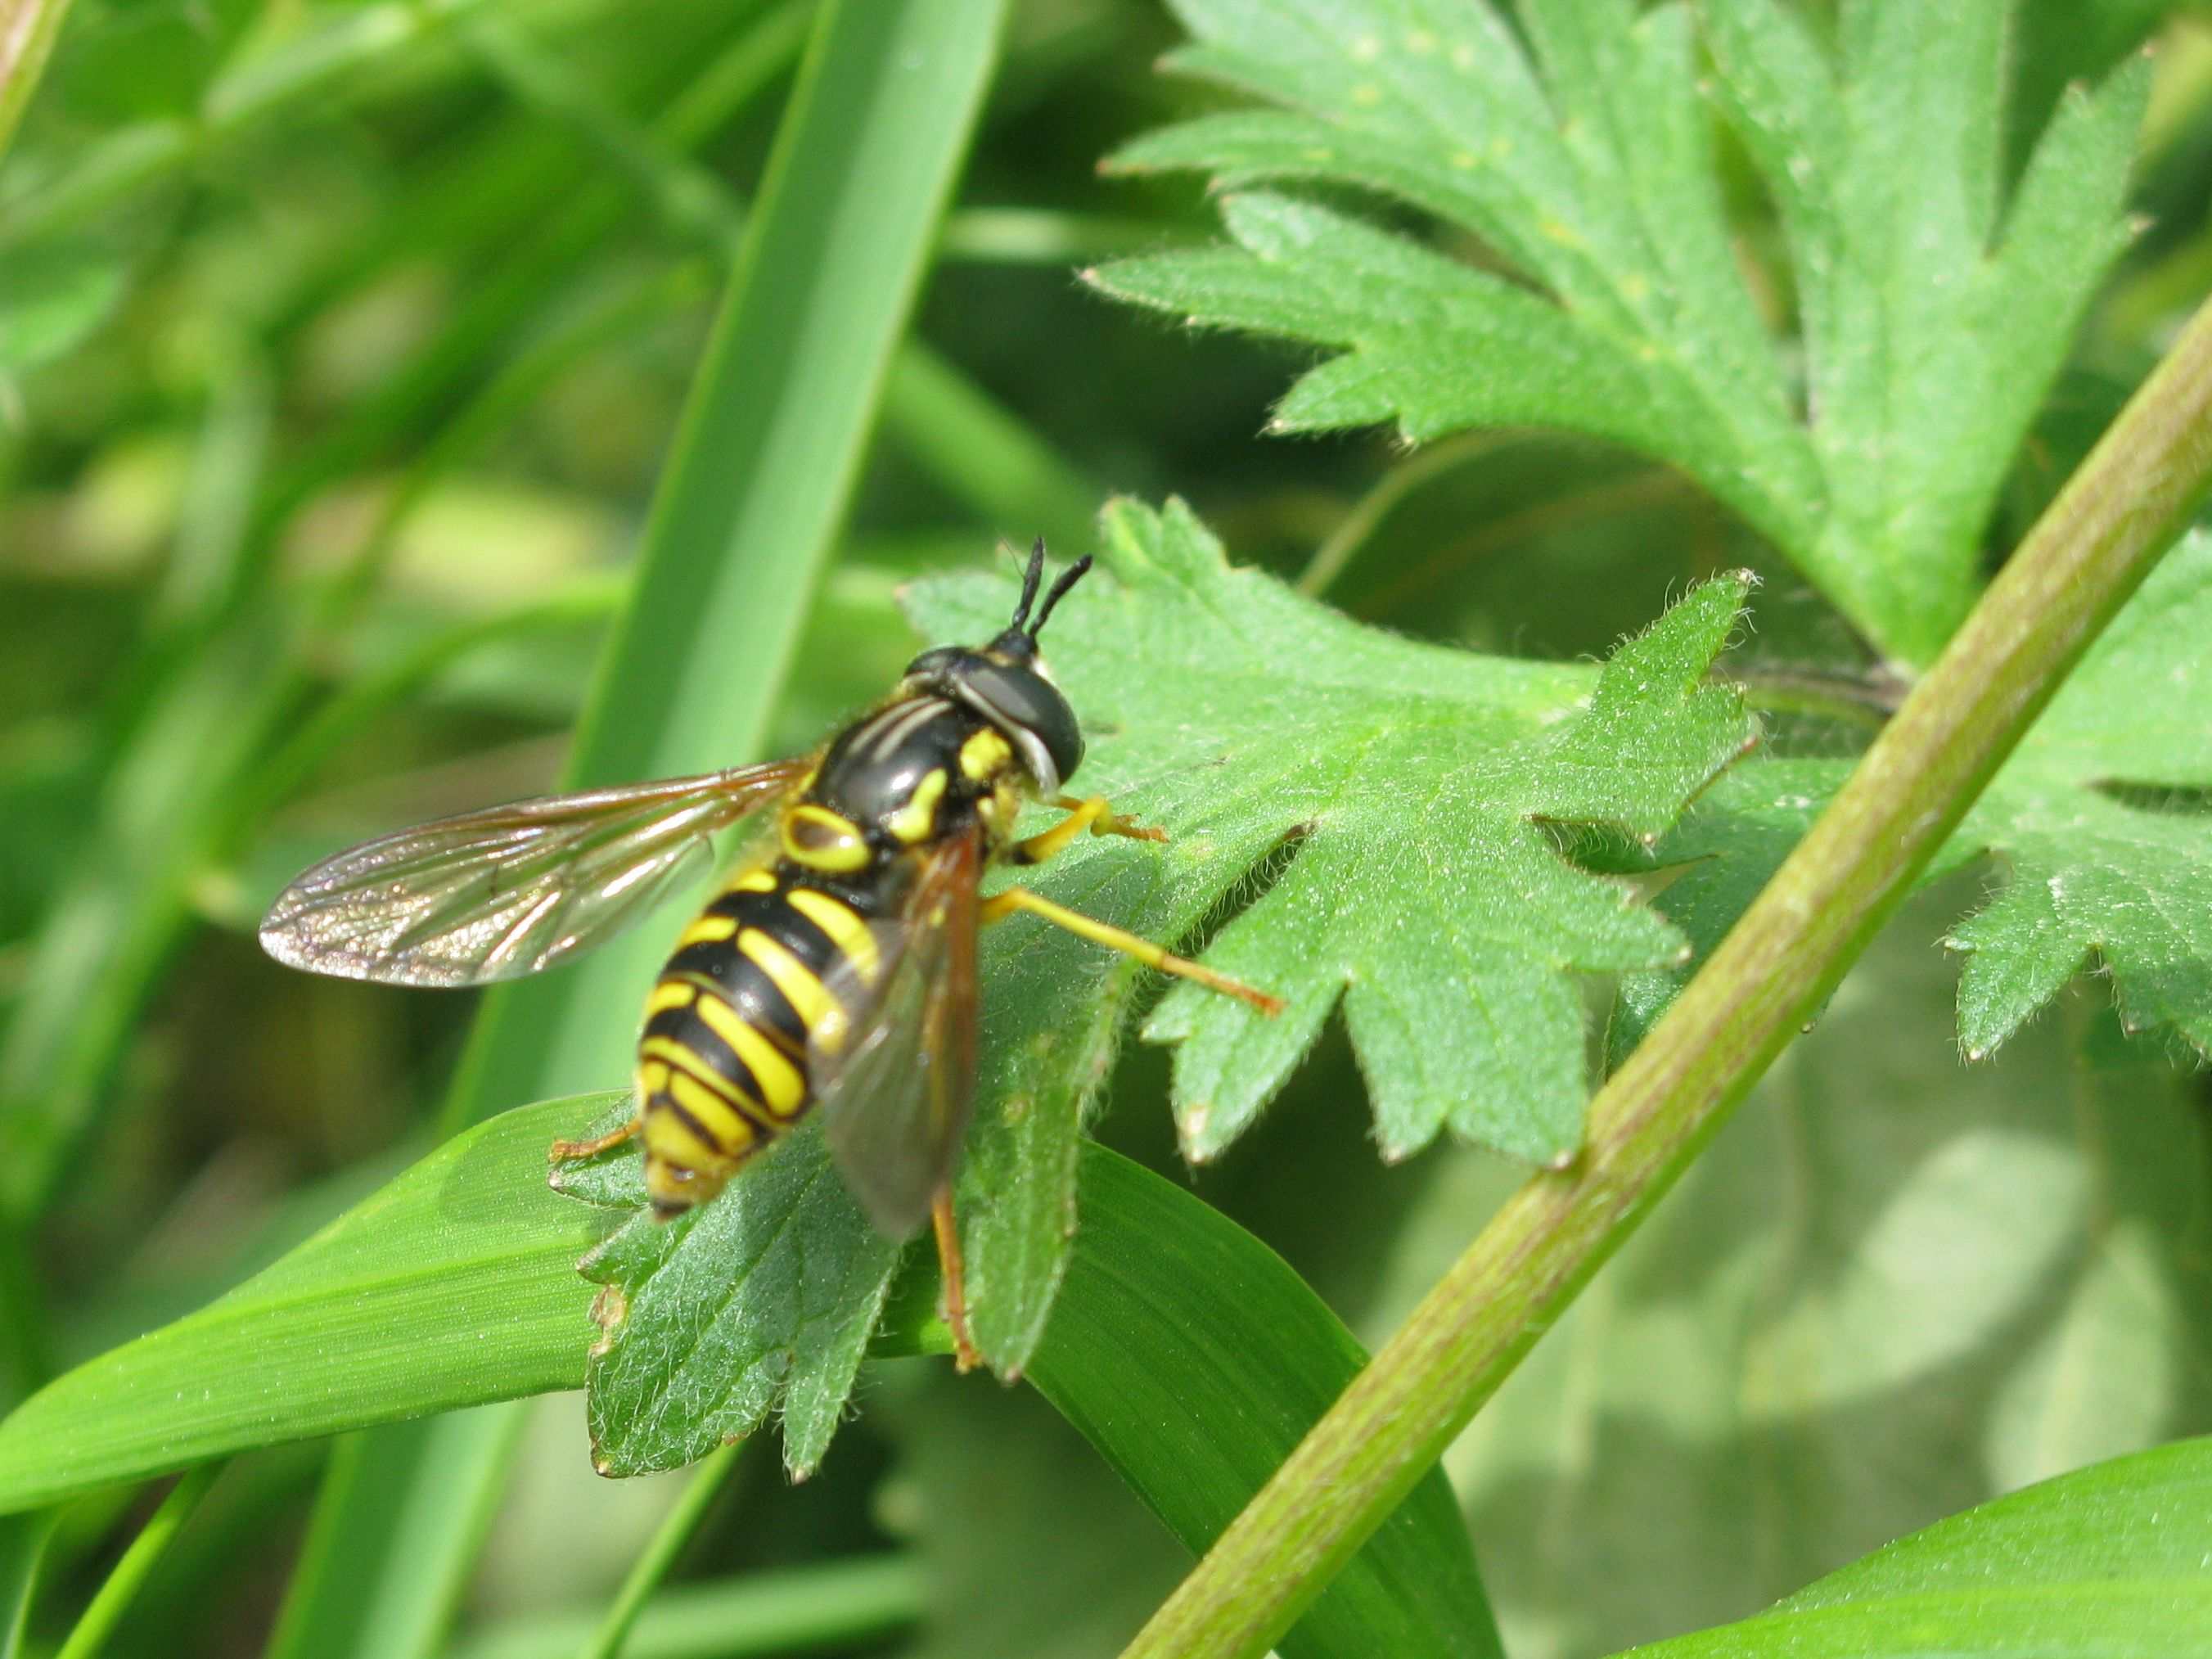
[[2084, 559]]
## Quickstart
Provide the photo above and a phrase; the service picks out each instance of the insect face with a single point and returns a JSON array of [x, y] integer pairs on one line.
[[1007, 684]]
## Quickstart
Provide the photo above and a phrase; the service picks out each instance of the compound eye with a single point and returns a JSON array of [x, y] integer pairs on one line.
[[1029, 709]]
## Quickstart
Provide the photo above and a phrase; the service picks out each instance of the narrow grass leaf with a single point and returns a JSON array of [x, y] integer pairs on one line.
[[454, 1286], [1193, 1358], [23, 1542], [754, 491], [2110, 1560]]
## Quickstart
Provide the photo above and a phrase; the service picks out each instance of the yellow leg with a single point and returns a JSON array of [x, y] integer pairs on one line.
[[1093, 815], [997, 908], [956, 1280], [562, 1151]]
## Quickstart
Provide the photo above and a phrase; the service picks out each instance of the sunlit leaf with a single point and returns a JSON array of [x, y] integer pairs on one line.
[[1934, 311], [2110, 1560]]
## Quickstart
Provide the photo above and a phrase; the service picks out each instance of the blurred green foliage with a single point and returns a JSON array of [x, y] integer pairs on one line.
[[342, 345]]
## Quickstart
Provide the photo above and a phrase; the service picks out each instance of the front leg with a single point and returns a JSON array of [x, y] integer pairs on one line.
[[1094, 815]]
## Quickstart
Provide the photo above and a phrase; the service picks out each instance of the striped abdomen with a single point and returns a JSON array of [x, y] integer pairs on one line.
[[770, 972]]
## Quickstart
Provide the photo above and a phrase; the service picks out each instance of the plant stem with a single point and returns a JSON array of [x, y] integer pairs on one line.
[[2087, 554], [660, 1554], [123, 1585], [28, 28], [1353, 533]]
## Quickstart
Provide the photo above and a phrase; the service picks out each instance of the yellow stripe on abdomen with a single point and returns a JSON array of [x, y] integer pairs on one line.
[[822, 1014], [782, 1084], [846, 929], [708, 930]]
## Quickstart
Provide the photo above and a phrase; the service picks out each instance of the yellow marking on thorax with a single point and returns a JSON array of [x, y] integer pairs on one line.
[[854, 940], [708, 930], [782, 1085], [669, 994], [753, 881], [819, 839], [822, 1014], [912, 822], [1000, 808], [984, 754]]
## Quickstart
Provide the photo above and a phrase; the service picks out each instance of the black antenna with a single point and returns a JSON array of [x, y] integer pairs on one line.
[[1068, 578], [1029, 580]]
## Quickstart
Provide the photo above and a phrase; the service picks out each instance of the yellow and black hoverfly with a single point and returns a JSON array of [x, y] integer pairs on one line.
[[835, 968]]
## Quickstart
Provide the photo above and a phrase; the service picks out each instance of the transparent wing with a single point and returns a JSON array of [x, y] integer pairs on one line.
[[510, 889], [895, 1097]]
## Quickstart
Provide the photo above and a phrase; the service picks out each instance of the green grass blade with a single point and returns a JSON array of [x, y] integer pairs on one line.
[[753, 493], [2109, 1560], [988, 459], [90, 1636], [402, 1514], [453, 1286], [27, 30], [1187, 1351], [611, 1639], [796, 1610], [756, 486], [23, 1542], [1193, 1358]]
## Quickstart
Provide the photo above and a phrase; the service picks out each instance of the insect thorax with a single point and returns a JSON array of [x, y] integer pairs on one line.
[[917, 770]]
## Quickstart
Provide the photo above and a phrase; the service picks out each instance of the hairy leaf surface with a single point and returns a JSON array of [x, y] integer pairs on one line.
[[1412, 789], [1934, 312], [2098, 824]]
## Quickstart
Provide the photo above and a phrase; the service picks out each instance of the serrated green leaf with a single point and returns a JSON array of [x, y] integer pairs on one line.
[[456, 1283], [2098, 822], [2090, 874], [2109, 1560], [1934, 315], [1411, 783], [2087, 878], [764, 1299]]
